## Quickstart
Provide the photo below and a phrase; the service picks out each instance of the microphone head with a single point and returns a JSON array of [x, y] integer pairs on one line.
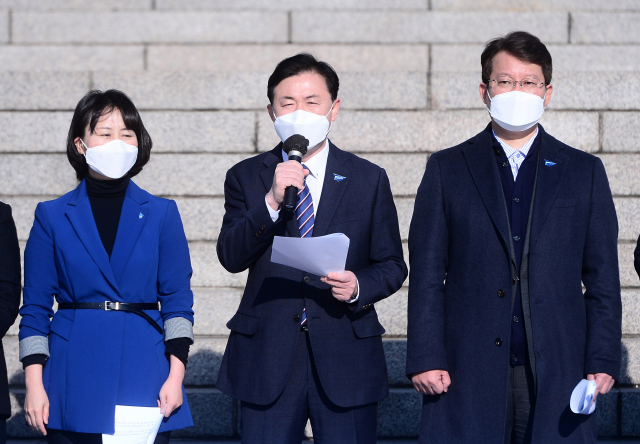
[[296, 143]]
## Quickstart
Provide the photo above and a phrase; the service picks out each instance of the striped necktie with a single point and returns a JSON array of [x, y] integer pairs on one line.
[[306, 221]]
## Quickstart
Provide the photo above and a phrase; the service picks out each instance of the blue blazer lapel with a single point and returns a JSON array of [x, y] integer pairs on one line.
[[549, 180], [332, 190], [81, 217], [481, 161], [271, 161], [133, 218]]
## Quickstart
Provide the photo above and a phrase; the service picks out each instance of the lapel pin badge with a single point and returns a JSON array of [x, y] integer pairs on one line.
[[140, 216], [338, 177], [548, 163]]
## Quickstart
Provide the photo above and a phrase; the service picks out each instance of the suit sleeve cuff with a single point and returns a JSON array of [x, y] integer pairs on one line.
[[34, 345], [178, 328], [274, 214]]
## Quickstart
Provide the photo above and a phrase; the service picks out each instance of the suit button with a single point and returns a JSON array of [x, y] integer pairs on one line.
[[256, 236], [515, 319], [505, 164], [516, 238], [516, 200], [500, 293], [514, 358], [306, 279], [513, 281], [296, 318], [498, 342]]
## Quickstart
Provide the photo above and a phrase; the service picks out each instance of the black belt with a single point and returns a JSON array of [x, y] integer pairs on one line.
[[115, 306]]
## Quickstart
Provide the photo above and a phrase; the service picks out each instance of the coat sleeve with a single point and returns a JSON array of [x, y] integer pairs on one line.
[[636, 256], [40, 287], [246, 233], [10, 275], [428, 257], [601, 278], [387, 270], [174, 277]]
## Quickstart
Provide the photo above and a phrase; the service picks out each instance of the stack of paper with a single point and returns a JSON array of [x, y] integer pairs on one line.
[[135, 425]]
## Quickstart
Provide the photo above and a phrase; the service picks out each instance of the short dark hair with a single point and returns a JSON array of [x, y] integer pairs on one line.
[[90, 108], [521, 45], [301, 63]]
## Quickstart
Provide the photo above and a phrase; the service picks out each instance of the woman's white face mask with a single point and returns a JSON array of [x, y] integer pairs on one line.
[[314, 127], [113, 159], [516, 110]]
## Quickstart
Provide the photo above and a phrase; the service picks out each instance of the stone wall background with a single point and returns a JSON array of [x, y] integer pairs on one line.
[[409, 72]]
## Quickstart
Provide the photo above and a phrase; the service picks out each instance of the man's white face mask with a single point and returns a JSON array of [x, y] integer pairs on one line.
[[516, 110], [113, 159], [314, 127]]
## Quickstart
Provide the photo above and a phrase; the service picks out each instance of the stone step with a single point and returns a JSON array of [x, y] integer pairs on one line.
[[215, 415]]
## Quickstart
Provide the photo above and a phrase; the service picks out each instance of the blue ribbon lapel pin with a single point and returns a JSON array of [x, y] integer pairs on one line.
[[548, 163], [338, 177]]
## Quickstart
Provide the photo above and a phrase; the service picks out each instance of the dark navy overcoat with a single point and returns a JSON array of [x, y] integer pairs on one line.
[[101, 359], [460, 266]]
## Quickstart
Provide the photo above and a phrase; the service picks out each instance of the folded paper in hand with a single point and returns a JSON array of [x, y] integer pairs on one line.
[[135, 425], [317, 255], [582, 396]]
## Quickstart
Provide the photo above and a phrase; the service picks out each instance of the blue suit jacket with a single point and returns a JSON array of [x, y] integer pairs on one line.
[[461, 285], [102, 359], [346, 340]]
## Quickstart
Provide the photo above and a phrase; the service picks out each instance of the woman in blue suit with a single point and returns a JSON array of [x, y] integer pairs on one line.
[[116, 260]]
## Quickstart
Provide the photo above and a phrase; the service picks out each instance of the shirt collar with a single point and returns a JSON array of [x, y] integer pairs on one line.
[[317, 164], [510, 151]]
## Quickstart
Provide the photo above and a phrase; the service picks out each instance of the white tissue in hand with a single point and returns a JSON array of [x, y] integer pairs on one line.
[[582, 396]]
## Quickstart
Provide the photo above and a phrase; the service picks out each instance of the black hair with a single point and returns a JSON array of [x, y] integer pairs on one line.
[[521, 45], [90, 108], [301, 63]]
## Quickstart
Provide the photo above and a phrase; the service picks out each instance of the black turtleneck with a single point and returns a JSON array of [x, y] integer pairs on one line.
[[107, 197]]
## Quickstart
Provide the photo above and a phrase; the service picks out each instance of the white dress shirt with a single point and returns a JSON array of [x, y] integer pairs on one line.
[[514, 156], [317, 167]]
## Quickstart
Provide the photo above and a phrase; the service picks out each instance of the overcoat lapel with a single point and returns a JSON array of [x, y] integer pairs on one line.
[[481, 161], [133, 218], [271, 161], [332, 190], [551, 170], [81, 217]]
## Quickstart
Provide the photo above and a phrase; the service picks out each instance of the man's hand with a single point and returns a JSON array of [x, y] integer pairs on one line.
[[343, 285], [604, 383], [287, 173], [433, 382]]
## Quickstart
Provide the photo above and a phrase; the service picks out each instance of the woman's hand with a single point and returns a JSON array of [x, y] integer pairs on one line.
[[170, 397], [36, 402]]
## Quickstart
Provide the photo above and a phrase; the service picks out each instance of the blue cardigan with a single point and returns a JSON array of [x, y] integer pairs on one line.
[[101, 359]]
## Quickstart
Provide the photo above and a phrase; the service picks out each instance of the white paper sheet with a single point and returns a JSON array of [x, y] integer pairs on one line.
[[317, 255], [135, 425], [582, 396]]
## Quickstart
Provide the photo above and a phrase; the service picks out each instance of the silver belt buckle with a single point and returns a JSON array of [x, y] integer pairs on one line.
[[106, 306]]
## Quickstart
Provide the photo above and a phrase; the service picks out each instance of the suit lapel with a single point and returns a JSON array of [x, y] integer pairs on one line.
[[481, 161], [133, 218], [332, 190], [271, 161], [81, 217], [549, 179]]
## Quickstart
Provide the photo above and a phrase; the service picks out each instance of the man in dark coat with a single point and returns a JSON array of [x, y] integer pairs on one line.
[[506, 229], [301, 345], [10, 285]]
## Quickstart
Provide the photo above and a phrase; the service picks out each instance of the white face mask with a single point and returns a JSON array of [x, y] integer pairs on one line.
[[516, 110], [314, 127], [113, 159]]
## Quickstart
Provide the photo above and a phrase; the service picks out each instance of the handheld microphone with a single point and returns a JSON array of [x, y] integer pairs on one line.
[[295, 147]]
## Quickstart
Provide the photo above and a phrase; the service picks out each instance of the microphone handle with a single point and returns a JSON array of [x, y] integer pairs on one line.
[[291, 192]]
